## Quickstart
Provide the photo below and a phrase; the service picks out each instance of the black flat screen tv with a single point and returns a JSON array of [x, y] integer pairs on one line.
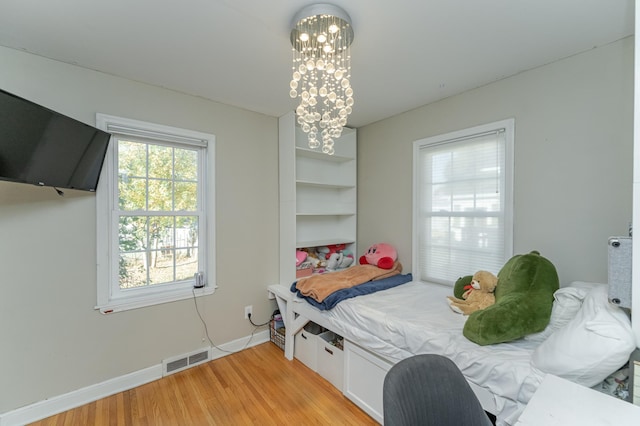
[[42, 147]]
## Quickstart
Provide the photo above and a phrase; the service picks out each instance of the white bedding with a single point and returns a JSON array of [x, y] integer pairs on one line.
[[415, 318]]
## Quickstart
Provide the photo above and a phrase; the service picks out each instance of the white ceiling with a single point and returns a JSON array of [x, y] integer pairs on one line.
[[406, 53]]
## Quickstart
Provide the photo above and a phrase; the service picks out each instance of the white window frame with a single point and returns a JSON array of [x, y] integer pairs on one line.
[[109, 298], [506, 126]]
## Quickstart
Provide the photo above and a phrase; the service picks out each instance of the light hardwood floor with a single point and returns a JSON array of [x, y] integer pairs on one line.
[[257, 386]]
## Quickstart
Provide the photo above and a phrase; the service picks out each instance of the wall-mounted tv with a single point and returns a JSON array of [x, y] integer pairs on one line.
[[42, 147]]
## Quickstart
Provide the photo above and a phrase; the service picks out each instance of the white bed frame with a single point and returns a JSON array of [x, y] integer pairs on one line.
[[364, 370]]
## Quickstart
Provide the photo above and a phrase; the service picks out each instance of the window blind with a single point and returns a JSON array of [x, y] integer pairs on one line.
[[461, 206]]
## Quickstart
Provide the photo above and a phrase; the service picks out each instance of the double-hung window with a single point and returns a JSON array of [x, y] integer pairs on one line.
[[154, 215], [463, 203]]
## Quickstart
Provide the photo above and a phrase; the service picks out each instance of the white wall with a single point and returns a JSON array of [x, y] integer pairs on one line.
[[573, 159], [52, 341]]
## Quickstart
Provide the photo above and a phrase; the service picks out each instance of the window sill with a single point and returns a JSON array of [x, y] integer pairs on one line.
[[120, 305]]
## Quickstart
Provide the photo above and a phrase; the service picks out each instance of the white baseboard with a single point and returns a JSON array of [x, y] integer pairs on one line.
[[58, 404], [237, 345]]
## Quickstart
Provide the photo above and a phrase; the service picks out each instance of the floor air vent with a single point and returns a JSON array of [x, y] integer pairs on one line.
[[182, 362]]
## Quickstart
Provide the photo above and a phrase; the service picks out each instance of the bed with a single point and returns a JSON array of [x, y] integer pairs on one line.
[[385, 326]]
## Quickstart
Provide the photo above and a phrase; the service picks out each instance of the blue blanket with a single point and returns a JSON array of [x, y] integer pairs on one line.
[[361, 289]]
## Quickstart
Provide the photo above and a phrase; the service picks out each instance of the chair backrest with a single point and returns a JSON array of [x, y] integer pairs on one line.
[[429, 390]]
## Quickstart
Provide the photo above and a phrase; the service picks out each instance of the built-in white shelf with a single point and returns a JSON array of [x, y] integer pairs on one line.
[[326, 242], [306, 152], [317, 194], [324, 185]]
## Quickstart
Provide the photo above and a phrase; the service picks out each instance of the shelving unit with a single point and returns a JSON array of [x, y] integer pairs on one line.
[[317, 194]]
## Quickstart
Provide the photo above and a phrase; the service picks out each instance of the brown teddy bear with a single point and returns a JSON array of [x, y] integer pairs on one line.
[[478, 296]]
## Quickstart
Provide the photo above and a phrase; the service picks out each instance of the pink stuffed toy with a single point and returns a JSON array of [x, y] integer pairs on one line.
[[301, 256], [381, 255]]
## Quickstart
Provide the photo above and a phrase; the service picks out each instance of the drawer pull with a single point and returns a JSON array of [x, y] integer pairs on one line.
[[303, 336], [328, 350]]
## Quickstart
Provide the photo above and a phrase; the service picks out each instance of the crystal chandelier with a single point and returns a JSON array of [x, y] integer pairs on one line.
[[321, 35]]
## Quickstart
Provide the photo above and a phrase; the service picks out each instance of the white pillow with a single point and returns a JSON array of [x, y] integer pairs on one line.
[[592, 345], [566, 304]]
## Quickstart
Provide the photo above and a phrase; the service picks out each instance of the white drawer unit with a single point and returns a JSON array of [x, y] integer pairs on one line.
[[636, 382], [634, 377], [364, 379], [330, 359], [306, 349]]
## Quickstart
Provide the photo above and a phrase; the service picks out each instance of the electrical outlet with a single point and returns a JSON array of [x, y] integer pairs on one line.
[[248, 310]]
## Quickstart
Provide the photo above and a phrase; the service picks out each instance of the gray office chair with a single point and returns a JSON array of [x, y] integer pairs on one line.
[[430, 390]]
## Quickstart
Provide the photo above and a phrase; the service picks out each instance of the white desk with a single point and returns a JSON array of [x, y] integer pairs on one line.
[[559, 402]]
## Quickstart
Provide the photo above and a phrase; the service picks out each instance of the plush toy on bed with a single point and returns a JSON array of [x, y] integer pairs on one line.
[[478, 295], [381, 255], [524, 298]]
